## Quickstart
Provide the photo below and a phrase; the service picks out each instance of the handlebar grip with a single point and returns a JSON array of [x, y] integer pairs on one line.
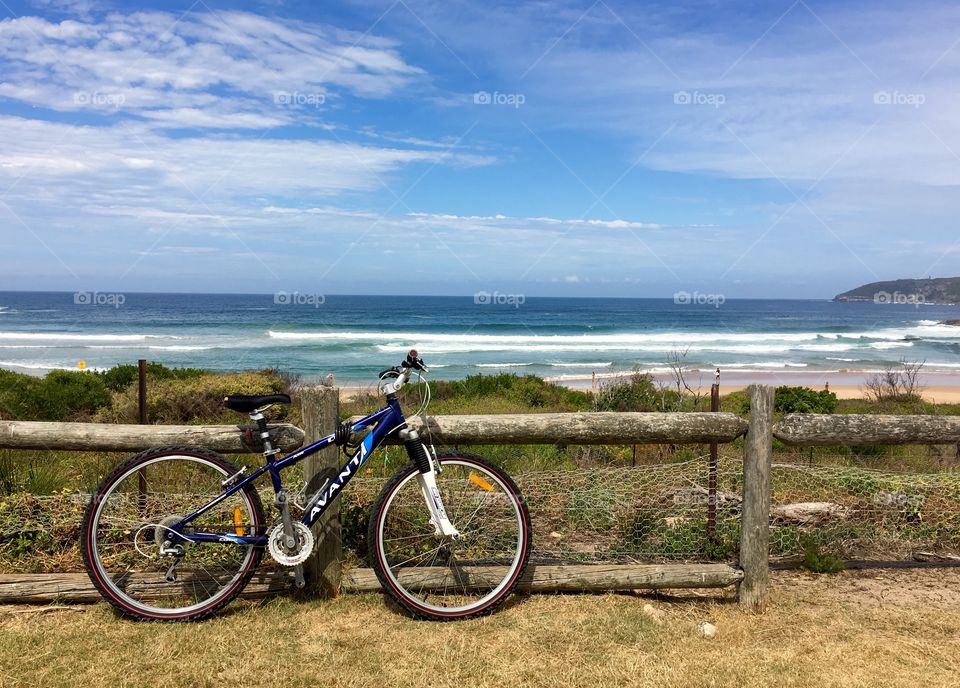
[[414, 361]]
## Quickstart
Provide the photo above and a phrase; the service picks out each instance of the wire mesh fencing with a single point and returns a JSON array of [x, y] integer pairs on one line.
[[604, 513], [588, 504], [592, 504], [859, 513]]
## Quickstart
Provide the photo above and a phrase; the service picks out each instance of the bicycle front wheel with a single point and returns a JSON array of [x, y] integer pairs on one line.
[[125, 528], [443, 579]]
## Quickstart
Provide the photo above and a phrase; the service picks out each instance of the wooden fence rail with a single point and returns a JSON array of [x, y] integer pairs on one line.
[[582, 428], [231, 439], [817, 430], [321, 414]]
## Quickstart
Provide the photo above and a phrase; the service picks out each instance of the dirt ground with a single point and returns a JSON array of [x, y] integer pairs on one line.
[[929, 588]]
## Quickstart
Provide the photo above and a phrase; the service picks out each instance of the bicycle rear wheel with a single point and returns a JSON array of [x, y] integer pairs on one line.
[[124, 528], [441, 579]]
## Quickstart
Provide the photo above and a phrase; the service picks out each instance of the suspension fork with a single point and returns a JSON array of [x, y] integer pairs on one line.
[[426, 477]]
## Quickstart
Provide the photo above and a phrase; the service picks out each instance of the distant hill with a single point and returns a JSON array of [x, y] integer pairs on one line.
[[941, 290]]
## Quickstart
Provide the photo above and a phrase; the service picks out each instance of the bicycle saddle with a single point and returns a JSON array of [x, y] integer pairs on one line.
[[245, 403]]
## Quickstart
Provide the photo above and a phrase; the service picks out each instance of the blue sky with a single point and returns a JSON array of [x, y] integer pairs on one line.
[[753, 149]]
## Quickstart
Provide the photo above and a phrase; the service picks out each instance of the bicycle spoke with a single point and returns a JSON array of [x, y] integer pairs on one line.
[[128, 530], [444, 574]]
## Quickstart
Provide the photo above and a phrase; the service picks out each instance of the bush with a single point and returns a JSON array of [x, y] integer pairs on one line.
[[527, 390], [16, 390], [118, 378], [60, 395], [192, 398], [897, 384], [804, 400], [638, 393], [798, 400]]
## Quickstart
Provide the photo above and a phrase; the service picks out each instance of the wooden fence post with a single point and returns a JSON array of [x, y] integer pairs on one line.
[[755, 519], [321, 409], [712, 472]]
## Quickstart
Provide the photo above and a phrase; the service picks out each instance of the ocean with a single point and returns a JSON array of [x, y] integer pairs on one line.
[[566, 339]]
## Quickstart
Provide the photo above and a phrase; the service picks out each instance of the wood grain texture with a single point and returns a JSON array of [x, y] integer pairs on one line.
[[321, 413], [76, 587], [44, 588], [755, 515], [564, 578], [581, 428], [230, 439], [819, 430]]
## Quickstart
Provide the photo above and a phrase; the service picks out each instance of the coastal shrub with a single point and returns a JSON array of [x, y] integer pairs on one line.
[[192, 399], [804, 400], [60, 395], [527, 390], [15, 392], [898, 383], [636, 393], [66, 394], [120, 377], [788, 399]]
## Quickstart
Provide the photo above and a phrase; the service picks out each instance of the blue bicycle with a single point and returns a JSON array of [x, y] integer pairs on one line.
[[175, 533]]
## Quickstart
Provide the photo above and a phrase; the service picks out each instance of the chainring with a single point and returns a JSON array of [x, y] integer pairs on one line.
[[279, 553]]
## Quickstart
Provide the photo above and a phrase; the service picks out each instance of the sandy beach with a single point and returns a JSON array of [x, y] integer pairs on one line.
[[846, 384]]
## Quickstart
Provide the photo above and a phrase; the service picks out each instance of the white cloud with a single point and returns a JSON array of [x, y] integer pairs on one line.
[[132, 161], [206, 69], [478, 220]]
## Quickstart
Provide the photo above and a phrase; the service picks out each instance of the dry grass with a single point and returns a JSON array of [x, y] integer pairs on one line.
[[855, 629]]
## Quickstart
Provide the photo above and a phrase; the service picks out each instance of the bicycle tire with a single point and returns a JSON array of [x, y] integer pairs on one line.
[[415, 607], [98, 575]]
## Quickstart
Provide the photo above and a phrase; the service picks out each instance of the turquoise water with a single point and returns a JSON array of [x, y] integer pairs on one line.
[[564, 338]]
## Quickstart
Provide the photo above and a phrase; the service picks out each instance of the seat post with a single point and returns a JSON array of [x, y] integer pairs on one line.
[[258, 417]]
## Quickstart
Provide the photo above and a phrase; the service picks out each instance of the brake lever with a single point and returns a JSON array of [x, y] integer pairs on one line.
[[392, 369], [414, 361]]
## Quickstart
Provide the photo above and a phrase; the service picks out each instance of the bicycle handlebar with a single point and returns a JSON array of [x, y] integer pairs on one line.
[[410, 363], [414, 361]]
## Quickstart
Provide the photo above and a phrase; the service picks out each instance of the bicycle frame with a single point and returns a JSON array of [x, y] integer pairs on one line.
[[385, 422]]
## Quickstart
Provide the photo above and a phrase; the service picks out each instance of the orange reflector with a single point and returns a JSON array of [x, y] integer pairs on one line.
[[474, 478], [238, 521]]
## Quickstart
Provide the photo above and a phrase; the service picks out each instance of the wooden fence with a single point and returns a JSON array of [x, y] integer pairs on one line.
[[321, 414]]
